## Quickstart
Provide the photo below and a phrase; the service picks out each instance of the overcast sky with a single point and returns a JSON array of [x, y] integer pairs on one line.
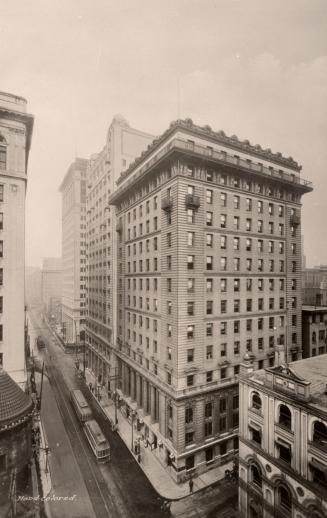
[[255, 68]]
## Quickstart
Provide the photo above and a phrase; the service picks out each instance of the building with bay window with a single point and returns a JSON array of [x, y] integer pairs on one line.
[[208, 266]]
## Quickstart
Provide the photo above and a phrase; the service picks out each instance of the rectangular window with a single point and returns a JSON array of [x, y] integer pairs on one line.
[[190, 355], [209, 196], [190, 262], [190, 382], [223, 306], [209, 353], [236, 222], [223, 219], [236, 242], [209, 307], [209, 262], [209, 329], [223, 199], [237, 284], [209, 284], [236, 202], [223, 328], [190, 332], [190, 308], [190, 215], [209, 219], [1, 220], [260, 226], [223, 242], [248, 226], [209, 240]]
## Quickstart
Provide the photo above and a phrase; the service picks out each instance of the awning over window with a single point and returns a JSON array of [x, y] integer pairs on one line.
[[281, 442]]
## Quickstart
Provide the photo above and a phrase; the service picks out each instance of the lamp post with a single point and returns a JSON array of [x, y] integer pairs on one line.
[[133, 414]]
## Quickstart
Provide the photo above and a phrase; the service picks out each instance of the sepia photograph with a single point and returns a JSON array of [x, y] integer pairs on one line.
[[163, 259]]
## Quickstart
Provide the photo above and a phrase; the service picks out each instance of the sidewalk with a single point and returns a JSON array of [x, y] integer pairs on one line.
[[157, 473]]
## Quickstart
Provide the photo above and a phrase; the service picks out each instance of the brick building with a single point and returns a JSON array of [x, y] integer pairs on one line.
[[209, 265], [314, 330]]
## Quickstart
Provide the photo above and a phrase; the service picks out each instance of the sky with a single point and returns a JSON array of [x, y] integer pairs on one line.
[[254, 68]]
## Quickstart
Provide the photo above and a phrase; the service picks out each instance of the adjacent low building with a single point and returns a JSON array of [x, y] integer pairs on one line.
[[314, 286], [283, 440], [314, 330]]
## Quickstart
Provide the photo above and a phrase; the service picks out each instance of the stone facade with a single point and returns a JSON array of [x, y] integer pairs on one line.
[[15, 139], [208, 262], [314, 330]]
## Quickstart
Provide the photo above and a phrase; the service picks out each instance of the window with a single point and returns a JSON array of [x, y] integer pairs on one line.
[[248, 226], [249, 265], [189, 435], [3, 157], [190, 308], [188, 415], [248, 284], [237, 284], [190, 190], [236, 222], [190, 380], [260, 324], [208, 410], [209, 196], [209, 262], [168, 285], [236, 306], [236, 202], [169, 307], [236, 347], [260, 207], [209, 352], [249, 325], [209, 219], [209, 284], [190, 355], [209, 329], [248, 204], [260, 304], [281, 229], [190, 285], [1, 248], [248, 304], [271, 284], [190, 332], [169, 353], [236, 264], [209, 376], [190, 215], [223, 349], [223, 375], [223, 285], [209, 174], [223, 242], [223, 306], [255, 475], [209, 307], [209, 240], [223, 328], [293, 248], [168, 263], [1, 220], [260, 265], [223, 221], [190, 262], [285, 417], [236, 242], [248, 244], [223, 199], [169, 238], [256, 402], [260, 226], [284, 498], [169, 330]]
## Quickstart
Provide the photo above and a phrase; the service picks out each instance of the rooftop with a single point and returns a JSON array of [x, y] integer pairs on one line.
[[307, 307], [14, 403], [309, 370]]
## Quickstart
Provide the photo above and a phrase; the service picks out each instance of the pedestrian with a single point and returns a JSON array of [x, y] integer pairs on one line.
[[191, 483], [90, 386]]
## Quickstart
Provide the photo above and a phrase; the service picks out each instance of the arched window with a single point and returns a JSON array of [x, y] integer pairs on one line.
[[320, 433], [314, 337], [256, 401], [284, 498], [256, 477], [285, 416], [3, 152]]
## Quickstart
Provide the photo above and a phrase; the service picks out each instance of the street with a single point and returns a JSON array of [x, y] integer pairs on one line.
[[116, 489]]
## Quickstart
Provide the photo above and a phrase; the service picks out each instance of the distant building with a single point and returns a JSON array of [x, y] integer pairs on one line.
[[314, 330], [16, 127], [314, 286], [73, 189], [123, 144], [208, 267], [51, 287], [283, 440], [33, 286]]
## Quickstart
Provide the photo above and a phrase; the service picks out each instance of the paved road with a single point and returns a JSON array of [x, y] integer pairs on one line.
[[118, 489]]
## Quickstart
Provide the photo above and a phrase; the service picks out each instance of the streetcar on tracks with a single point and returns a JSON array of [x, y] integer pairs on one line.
[[99, 444], [82, 409]]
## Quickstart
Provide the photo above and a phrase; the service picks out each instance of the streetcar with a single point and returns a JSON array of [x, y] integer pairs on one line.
[[99, 444], [82, 409]]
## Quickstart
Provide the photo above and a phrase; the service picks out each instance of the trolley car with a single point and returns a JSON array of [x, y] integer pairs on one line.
[[97, 441], [82, 409]]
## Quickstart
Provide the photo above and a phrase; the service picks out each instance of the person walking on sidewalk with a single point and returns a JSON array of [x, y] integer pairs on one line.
[[191, 484]]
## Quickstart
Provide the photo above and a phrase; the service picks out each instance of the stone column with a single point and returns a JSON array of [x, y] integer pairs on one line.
[[138, 389], [145, 397], [133, 385]]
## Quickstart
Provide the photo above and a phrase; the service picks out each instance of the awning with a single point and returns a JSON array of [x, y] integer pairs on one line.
[[318, 465], [281, 442]]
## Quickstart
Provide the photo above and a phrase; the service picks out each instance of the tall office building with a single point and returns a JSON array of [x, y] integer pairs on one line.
[[73, 189], [122, 145], [283, 440], [16, 127], [208, 267]]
